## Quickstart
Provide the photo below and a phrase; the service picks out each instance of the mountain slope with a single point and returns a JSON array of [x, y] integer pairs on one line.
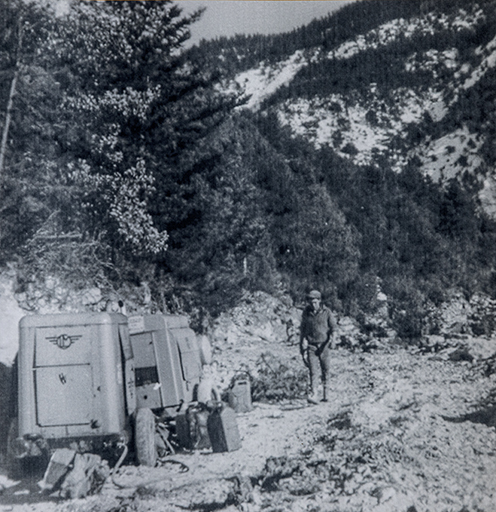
[[412, 89]]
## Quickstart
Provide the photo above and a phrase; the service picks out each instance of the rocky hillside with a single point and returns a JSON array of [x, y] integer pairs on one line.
[[417, 89], [361, 155]]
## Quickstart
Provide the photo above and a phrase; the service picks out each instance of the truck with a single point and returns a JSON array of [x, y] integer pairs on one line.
[[99, 382]]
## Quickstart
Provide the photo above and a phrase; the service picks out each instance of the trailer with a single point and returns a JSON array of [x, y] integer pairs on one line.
[[98, 382]]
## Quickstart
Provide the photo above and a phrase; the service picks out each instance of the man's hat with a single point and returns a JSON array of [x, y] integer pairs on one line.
[[314, 294]]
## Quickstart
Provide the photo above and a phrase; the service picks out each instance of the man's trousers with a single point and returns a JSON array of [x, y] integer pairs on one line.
[[319, 365]]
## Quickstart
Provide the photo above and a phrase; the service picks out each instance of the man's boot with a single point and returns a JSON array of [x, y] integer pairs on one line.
[[312, 394], [312, 398]]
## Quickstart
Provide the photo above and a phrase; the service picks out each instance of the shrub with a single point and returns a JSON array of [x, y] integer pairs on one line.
[[277, 381]]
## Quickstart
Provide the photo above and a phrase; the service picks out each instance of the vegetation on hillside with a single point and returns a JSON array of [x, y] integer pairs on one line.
[[104, 105], [125, 163]]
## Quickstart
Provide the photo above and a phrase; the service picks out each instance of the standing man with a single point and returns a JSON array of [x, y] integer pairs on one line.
[[317, 338]]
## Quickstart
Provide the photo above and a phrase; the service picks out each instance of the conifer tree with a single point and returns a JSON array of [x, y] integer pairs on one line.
[[138, 106]]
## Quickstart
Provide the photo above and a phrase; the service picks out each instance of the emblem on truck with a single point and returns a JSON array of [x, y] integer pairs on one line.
[[64, 340]]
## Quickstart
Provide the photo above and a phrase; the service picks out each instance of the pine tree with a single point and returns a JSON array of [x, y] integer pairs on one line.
[[138, 106]]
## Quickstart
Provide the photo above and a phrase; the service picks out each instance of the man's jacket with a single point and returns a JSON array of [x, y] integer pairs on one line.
[[317, 327]]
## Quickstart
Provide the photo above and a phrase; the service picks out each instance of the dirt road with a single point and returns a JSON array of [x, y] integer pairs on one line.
[[402, 432]]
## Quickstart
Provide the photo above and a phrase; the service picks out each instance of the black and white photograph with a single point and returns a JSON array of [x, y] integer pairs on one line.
[[248, 255]]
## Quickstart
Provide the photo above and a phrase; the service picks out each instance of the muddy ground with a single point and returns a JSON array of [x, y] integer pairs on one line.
[[403, 431]]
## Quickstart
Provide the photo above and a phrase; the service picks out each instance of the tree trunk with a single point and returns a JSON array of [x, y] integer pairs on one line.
[[8, 117], [10, 102]]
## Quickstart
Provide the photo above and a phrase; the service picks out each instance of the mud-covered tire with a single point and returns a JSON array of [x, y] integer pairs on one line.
[[206, 392], [144, 438]]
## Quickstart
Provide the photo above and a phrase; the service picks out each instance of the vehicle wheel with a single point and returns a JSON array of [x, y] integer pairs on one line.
[[207, 392], [144, 438]]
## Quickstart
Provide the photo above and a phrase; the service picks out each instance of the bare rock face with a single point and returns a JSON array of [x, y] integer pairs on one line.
[[452, 317], [260, 321], [259, 316], [10, 314], [482, 320], [461, 316], [51, 296], [461, 329]]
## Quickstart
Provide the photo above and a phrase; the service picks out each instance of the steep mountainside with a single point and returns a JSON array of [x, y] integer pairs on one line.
[[362, 159], [415, 89]]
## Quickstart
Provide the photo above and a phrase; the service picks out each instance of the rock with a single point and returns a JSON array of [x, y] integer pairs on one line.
[[461, 354], [74, 475], [458, 315], [10, 314], [259, 316], [91, 296], [87, 476]]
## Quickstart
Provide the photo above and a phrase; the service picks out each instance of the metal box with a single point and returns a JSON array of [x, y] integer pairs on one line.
[[75, 377], [167, 359], [239, 395], [223, 430]]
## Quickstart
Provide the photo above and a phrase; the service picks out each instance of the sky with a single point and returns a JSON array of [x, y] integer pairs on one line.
[[230, 17]]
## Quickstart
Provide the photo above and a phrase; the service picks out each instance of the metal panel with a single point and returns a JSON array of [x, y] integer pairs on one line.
[[143, 350], [64, 395], [129, 366], [176, 321], [149, 396], [63, 345], [172, 387], [157, 358], [190, 356], [147, 389], [71, 374]]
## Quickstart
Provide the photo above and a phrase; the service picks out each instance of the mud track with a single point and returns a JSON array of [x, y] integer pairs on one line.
[[402, 432]]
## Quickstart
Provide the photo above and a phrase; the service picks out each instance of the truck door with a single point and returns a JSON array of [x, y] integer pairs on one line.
[[63, 375], [188, 352], [129, 370]]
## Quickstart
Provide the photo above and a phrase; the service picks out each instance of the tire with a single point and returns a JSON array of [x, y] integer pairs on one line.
[[28, 465], [144, 438], [206, 392]]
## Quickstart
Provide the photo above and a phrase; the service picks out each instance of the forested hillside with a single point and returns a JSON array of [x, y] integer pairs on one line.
[[353, 152]]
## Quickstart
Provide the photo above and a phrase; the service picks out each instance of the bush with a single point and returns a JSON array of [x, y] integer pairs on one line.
[[277, 381]]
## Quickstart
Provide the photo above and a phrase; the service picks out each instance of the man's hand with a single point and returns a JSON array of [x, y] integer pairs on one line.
[[304, 356], [304, 350]]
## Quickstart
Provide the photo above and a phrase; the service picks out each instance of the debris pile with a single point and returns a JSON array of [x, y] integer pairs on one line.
[[74, 475]]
